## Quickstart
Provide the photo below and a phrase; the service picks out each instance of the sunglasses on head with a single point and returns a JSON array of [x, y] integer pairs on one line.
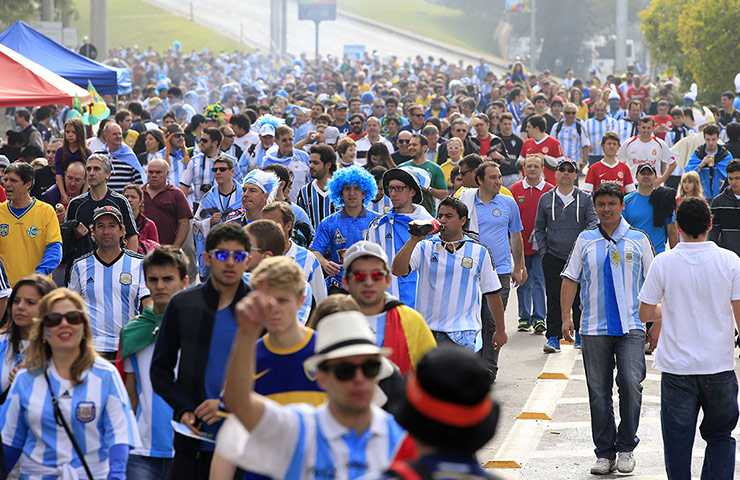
[[74, 317], [221, 254], [346, 371], [220, 169], [376, 275]]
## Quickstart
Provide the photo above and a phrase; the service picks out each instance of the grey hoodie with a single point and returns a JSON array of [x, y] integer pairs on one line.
[[557, 226]]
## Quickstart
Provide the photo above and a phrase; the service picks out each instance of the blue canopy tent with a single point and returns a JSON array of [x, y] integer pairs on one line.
[[66, 63]]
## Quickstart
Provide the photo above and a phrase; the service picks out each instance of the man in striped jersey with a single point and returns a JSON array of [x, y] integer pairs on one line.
[[314, 197], [282, 214], [110, 281], [611, 263], [454, 272], [629, 125], [347, 437], [165, 273], [596, 127], [199, 177], [572, 135], [126, 167], [391, 231]]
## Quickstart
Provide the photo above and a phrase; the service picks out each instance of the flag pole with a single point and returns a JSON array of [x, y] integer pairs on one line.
[[533, 10]]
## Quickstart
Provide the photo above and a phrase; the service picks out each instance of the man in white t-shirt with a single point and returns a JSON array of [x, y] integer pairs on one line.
[[692, 296], [373, 136], [646, 148]]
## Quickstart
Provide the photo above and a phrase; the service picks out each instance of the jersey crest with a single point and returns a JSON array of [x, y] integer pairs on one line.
[[4, 230], [338, 238], [33, 231], [85, 412]]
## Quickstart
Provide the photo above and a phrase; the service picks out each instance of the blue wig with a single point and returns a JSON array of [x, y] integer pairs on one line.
[[352, 176]]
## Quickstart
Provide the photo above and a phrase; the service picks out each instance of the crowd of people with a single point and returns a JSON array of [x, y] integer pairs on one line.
[[244, 233]]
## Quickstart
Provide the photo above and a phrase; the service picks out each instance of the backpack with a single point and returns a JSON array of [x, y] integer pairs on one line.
[[559, 127]]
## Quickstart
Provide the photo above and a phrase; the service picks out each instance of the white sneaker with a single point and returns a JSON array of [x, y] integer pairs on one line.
[[625, 462], [603, 466]]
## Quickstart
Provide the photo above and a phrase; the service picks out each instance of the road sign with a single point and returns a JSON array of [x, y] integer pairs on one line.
[[317, 10]]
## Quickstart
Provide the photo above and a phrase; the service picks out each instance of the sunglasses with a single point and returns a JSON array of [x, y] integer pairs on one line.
[[570, 113], [221, 254], [220, 169], [74, 317], [566, 169], [346, 371], [417, 114], [180, 135], [401, 140], [355, 123], [204, 140], [376, 275], [229, 136]]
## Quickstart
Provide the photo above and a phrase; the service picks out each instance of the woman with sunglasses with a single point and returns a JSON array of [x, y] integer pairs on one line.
[[67, 414], [23, 308]]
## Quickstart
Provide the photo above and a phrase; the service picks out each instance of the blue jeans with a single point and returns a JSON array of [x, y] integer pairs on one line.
[[681, 397], [147, 468], [600, 355], [531, 294]]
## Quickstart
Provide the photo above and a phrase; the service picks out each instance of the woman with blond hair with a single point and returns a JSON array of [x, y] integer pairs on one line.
[[690, 186], [67, 414]]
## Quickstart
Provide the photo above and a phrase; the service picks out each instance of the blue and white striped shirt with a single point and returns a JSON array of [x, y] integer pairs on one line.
[[9, 359], [97, 410], [111, 293], [626, 129], [391, 232], [197, 173], [586, 266], [153, 414], [315, 202], [312, 271], [572, 141], [382, 206], [301, 442], [450, 285], [596, 129]]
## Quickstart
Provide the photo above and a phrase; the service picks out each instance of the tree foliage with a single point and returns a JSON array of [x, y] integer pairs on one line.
[[13, 10], [709, 41], [698, 38], [659, 26]]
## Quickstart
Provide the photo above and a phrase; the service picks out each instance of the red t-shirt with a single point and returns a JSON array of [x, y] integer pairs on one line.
[[600, 172], [640, 94], [668, 121], [485, 145], [527, 197], [547, 146]]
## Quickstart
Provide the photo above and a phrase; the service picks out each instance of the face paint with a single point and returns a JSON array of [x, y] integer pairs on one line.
[[47, 332]]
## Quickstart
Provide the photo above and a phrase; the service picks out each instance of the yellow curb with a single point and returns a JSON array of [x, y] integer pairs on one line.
[[533, 416], [502, 464], [552, 376]]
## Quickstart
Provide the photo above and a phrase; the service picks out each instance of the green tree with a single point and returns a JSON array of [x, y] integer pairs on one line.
[[709, 41], [13, 10], [659, 26]]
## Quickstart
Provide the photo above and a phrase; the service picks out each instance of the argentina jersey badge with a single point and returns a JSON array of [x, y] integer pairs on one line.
[[85, 412]]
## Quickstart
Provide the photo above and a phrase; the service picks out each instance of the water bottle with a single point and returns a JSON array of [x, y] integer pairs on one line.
[[422, 228]]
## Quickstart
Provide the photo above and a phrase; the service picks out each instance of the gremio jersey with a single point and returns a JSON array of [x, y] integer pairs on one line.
[[97, 411], [111, 293], [315, 202], [24, 239], [450, 285]]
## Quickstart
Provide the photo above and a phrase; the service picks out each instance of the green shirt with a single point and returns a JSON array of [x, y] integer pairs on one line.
[[438, 182]]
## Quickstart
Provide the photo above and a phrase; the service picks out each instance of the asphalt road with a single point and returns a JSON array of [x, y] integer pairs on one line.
[[249, 20], [561, 448]]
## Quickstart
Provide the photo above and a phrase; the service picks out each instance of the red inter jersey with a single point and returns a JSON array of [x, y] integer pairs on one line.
[[527, 197], [667, 121], [600, 172], [547, 146]]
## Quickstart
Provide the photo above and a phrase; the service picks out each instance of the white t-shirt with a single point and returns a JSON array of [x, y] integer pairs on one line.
[[696, 282], [635, 152]]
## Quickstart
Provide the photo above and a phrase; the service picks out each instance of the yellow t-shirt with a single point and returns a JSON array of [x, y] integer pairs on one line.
[[23, 239], [130, 138], [503, 191], [447, 169]]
